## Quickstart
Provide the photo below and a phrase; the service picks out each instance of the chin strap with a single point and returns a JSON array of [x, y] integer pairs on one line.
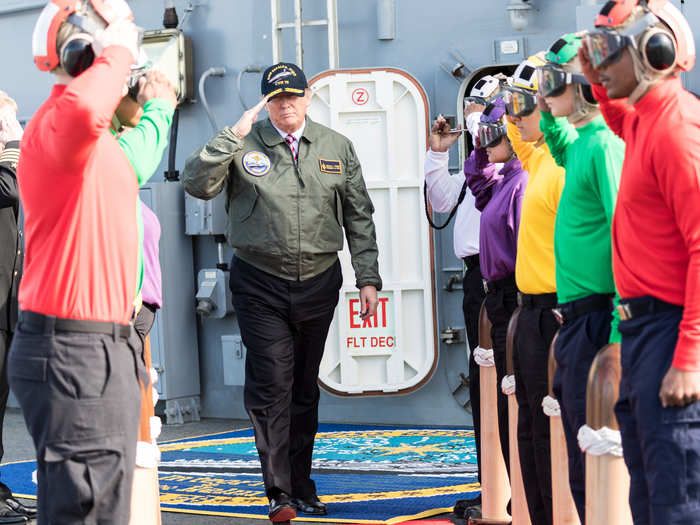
[[582, 108]]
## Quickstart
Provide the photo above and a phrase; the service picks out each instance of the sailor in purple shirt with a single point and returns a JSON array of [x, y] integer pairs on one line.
[[499, 196], [151, 292]]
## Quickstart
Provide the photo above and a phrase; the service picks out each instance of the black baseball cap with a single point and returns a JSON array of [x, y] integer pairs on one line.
[[283, 78]]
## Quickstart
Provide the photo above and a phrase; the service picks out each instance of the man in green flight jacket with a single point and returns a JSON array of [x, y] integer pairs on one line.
[[292, 185]]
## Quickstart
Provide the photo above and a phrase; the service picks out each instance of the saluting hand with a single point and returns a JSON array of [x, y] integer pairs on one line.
[[440, 138], [10, 128], [154, 84], [591, 73], [679, 388], [368, 301], [122, 32], [245, 123], [473, 107]]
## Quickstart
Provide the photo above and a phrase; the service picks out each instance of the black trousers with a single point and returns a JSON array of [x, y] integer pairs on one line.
[[577, 345], [143, 324], [80, 398], [5, 338], [284, 325], [536, 329], [471, 307], [500, 305]]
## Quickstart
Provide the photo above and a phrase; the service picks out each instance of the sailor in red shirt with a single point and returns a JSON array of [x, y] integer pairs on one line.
[[639, 50], [73, 362]]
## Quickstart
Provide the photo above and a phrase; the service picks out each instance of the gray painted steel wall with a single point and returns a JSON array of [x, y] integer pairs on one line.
[[236, 33]]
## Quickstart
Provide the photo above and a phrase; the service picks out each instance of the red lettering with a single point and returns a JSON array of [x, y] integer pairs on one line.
[[364, 339], [382, 304], [367, 323], [390, 342], [350, 342], [375, 341], [353, 313]]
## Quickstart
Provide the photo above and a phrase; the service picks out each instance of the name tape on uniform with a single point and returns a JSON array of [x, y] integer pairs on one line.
[[334, 167]]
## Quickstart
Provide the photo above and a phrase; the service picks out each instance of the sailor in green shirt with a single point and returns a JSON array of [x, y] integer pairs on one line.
[[141, 123], [592, 156]]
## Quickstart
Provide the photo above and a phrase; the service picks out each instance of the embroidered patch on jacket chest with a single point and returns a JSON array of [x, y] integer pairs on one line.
[[256, 163]]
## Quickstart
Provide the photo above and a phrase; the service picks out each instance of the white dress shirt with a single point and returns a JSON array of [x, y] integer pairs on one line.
[[297, 135], [443, 193]]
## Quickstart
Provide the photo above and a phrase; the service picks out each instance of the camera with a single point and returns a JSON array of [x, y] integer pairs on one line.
[[133, 82]]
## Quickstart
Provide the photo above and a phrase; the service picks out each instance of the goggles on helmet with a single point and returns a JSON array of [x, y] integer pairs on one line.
[[491, 133], [605, 45], [552, 80], [477, 100], [519, 102], [481, 100]]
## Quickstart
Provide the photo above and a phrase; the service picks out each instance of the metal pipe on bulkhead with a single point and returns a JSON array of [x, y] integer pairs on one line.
[[386, 19], [216, 72], [252, 68]]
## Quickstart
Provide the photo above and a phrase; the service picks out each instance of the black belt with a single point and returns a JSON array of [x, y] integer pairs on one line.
[[499, 284], [568, 312], [471, 261], [46, 324], [543, 300], [631, 308]]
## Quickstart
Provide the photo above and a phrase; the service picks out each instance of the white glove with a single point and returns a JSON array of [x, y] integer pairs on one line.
[[119, 33], [10, 128], [5, 99]]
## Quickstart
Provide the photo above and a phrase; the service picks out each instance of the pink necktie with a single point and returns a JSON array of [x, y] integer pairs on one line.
[[290, 140]]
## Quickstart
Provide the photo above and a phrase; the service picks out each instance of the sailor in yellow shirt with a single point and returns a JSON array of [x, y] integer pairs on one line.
[[534, 275]]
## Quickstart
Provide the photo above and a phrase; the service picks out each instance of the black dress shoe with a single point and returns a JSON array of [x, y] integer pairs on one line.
[[7, 515], [20, 508], [462, 505], [310, 505], [281, 508]]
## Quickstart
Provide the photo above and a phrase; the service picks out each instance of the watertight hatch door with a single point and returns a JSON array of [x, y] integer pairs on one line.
[[384, 112]]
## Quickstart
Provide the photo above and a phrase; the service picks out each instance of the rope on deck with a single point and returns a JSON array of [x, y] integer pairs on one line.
[[600, 442], [484, 356], [508, 385], [550, 406]]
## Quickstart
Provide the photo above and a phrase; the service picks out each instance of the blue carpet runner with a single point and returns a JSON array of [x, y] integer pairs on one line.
[[366, 474]]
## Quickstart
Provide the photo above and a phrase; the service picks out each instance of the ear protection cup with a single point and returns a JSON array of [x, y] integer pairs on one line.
[[659, 49], [587, 93], [77, 54]]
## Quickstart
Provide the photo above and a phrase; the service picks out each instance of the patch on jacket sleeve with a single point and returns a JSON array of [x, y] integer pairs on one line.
[[333, 167]]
